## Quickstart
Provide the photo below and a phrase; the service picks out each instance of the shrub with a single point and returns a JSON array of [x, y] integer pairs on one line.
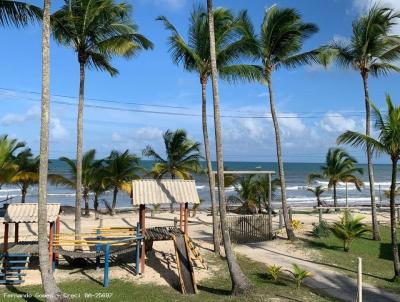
[[299, 274], [321, 230], [296, 225], [274, 271], [348, 228]]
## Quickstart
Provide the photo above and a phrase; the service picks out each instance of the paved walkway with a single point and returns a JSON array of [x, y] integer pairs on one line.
[[326, 280]]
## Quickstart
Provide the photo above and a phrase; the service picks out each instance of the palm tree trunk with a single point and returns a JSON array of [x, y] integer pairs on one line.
[[51, 289], [79, 143], [207, 152], [375, 229], [96, 205], [335, 198], [393, 222], [288, 223], [86, 199], [240, 283], [24, 190], [114, 201], [171, 205]]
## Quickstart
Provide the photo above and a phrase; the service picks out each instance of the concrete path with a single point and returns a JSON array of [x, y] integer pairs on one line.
[[326, 280]]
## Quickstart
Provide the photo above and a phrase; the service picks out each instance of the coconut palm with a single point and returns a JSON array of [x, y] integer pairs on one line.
[[388, 130], [53, 293], [89, 172], [182, 156], [27, 172], [318, 191], [97, 30], [279, 46], [372, 50], [262, 188], [245, 190], [8, 167], [348, 229], [339, 167], [119, 169], [240, 283], [18, 13], [194, 55]]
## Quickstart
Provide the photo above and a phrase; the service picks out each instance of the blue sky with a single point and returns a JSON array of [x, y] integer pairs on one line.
[[151, 78]]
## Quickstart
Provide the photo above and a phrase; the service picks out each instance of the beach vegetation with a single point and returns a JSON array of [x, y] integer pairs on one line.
[[387, 126], [297, 225], [349, 228], [321, 229], [19, 13], [274, 272], [299, 274], [318, 191], [373, 49]]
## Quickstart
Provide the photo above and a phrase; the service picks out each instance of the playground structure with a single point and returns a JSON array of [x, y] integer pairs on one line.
[[16, 255], [167, 191]]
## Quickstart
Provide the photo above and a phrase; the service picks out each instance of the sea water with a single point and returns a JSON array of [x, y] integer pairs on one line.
[[296, 185]]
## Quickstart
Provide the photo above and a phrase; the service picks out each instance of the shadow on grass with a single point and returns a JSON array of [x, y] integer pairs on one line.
[[22, 294], [214, 291], [266, 278]]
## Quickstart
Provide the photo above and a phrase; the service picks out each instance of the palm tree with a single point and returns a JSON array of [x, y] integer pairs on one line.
[[246, 194], [119, 169], [18, 13], [372, 50], [339, 167], [97, 185], [279, 45], [318, 191], [53, 293], [262, 188], [194, 55], [8, 167], [97, 31], [388, 129], [240, 283], [27, 172], [182, 156], [89, 172]]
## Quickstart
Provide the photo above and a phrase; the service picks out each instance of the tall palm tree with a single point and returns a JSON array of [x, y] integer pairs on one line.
[[8, 167], [279, 46], [388, 130], [339, 167], [53, 293], [18, 13], [119, 169], [262, 188], [194, 55], [182, 156], [240, 283], [97, 30], [27, 172], [372, 50]]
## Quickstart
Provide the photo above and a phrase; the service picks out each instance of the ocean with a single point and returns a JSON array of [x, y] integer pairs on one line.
[[296, 184]]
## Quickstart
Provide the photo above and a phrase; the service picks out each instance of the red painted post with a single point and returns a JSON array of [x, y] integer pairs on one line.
[[5, 244], [181, 216], [142, 211], [16, 232], [186, 217], [51, 239], [58, 227]]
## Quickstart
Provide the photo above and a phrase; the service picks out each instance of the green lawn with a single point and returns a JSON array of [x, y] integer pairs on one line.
[[214, 289], [377, 263]]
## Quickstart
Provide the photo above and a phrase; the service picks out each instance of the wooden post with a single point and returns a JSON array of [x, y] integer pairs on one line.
[[106, 280], [5, 244], [98, 249], [359, 281], [398, 214], [269, 207], [175, 222], [290, 214], [16, 228], [138, 243], [186, 218], [58, 228], [181, 216], [51, 239], [142, 211], [280, 219]]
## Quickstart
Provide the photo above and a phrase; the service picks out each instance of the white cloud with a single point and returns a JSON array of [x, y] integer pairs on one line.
[[147, 133], [171, 4], [116, 137], [12, 118], [336, 123], [57, 130], [292, 125]]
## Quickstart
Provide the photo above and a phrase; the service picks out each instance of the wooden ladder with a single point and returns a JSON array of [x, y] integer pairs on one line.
[[195, 256], [11, 269]]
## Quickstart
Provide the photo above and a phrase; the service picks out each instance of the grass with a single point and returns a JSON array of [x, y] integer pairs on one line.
[[216, 288], [377, 258]]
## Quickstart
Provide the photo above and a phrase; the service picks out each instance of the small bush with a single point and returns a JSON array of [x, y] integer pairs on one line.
[[296, 225], [299, 274], [321, 230], [274, 271]]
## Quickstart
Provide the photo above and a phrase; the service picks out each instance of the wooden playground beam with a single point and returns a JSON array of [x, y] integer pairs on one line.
[[5, 242], [186, 230], [16, 232], [142, 218], [181, 216]]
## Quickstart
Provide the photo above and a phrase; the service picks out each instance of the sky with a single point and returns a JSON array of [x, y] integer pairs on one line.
[[315, 104]]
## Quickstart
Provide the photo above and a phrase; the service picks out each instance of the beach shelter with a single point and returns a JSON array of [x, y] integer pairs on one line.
[[163, 191], [28, 213]]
